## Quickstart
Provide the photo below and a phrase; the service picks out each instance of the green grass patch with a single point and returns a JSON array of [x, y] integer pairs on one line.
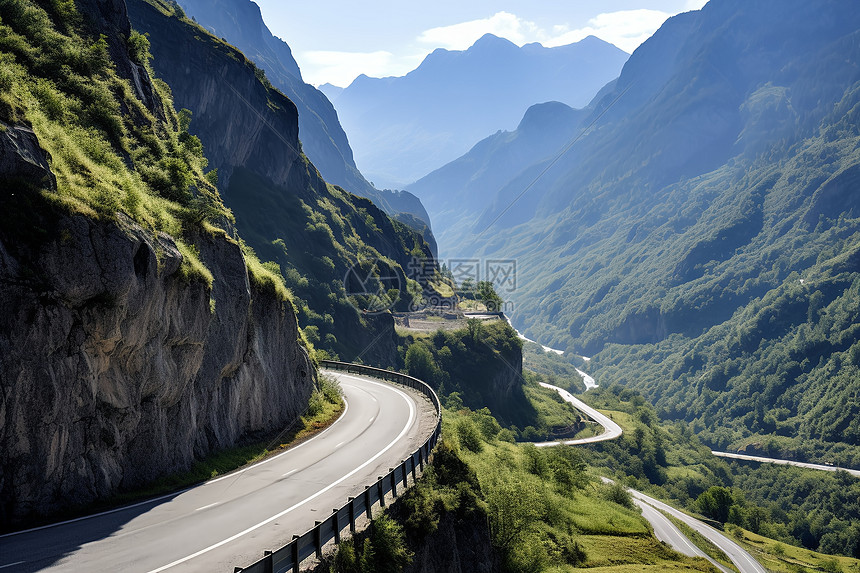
[[644, 553], [781, 557], [555, 418]]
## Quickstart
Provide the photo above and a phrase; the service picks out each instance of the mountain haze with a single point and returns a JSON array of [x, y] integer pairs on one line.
[[701, 239], [459, 192], [402, 128], [323, 140]]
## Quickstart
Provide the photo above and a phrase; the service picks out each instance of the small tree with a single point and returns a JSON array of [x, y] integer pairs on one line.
[[716, 502]]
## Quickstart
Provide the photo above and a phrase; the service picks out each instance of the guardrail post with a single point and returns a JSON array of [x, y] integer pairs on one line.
[[381, 490], [367, 502], [336, 527], [393, 473], [296, 561], [317, 540], [352, 515], [414, 473], [269, 563]]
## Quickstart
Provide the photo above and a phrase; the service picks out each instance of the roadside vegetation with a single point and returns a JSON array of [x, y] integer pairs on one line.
[[543, 509], [479, 366]]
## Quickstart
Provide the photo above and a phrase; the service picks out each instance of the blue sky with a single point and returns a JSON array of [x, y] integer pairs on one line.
[[336, 40]]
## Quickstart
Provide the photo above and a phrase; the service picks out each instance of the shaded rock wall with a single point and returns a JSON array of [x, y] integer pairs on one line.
[[116, 369]]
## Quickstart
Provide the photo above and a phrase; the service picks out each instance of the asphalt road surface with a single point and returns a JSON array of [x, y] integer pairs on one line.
[[611, 430], [738, 555], [229, 521], [785, 462]]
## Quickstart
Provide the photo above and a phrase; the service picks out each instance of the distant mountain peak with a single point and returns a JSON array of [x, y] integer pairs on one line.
[[402, 128], [492, 41], [540, 116]]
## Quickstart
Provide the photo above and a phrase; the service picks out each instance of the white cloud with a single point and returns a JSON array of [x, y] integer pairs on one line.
[[340, 68], [461, 36], [625, 28]]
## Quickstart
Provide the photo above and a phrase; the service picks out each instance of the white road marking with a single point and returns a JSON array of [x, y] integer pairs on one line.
[[291, 472], [317, 494], [339, 445], [207, 506], [372, 418]]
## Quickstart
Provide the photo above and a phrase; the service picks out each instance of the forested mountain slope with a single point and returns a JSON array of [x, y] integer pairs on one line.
[[702, 238]]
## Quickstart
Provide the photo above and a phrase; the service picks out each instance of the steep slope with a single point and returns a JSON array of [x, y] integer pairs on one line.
[[323, 140], [458, 193], [701, 238], [316, 232], [135, 334], [403, 128]]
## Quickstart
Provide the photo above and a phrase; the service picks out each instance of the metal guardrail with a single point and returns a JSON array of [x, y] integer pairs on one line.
[[290, 556]]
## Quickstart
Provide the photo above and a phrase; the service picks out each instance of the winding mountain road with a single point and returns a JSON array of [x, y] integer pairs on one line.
[[611, 430], [738, 555], [229, 521], [664, 529]]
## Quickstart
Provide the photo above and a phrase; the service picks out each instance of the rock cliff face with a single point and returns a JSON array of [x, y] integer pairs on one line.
[[323, 140], [117, 370], [117, 365]]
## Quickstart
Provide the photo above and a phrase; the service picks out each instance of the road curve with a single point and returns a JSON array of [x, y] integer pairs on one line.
[[738, 555], [778, 461], [229, 521], [664, 529], [611, 430]]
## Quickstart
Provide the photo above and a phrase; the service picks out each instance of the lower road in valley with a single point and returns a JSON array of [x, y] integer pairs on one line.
[[664, 529], [777, 461], [738, 555], [229, 521]]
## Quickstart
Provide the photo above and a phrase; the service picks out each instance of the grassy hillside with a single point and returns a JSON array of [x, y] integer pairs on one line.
[[115, 148]]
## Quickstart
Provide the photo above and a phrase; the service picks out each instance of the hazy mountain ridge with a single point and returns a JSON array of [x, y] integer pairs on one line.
[[402, 128], [719, 176], [241, 23], [458, 193]]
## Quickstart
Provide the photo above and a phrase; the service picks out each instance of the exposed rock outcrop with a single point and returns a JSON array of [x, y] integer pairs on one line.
[[116, 369], [22, 157]]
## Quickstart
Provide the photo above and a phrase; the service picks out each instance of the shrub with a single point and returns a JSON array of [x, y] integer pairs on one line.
[[617, 493], [469, 435]]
